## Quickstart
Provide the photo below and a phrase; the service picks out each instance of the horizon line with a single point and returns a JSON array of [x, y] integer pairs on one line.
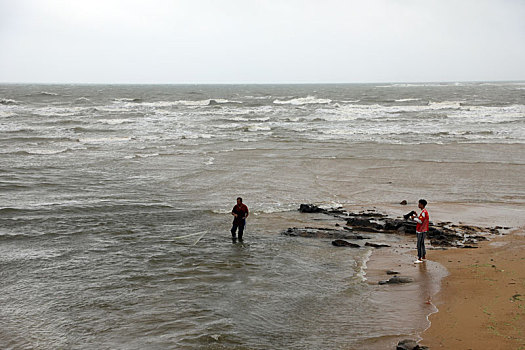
[[266, 83]]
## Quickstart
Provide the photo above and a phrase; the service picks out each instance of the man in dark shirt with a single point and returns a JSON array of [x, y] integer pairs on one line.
[[240, 213]]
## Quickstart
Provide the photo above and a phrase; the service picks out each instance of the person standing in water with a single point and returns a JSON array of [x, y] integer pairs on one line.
[[240, 213], [421, 229]]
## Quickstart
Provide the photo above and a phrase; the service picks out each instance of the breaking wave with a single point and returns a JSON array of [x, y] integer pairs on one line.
[[8, 101], [303, 101]]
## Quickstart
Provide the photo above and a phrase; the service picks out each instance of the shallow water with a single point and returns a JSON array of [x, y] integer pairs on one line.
[[99, 184]]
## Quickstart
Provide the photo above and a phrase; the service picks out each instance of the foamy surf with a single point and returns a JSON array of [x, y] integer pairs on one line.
[[303, 101]]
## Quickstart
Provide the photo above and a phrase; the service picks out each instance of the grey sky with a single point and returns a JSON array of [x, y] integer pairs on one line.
[[273, 41]]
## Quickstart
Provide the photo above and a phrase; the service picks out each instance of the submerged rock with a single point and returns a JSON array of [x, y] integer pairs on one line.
[[311, 232], [342, 243], [397, 280], [376, 245]]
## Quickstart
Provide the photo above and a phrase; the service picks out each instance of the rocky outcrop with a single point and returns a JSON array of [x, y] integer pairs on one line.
[[444, 234]]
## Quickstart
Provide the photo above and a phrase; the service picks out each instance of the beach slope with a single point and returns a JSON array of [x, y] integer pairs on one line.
[[482, 301]]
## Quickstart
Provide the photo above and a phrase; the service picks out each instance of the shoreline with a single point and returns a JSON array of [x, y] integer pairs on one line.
[[416, 298], [471, 304], [418, 310]]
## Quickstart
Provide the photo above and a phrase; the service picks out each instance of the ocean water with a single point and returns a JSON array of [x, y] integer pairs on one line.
[[115, 201]]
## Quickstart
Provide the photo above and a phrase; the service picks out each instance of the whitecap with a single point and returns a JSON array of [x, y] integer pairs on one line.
[[194, 103], [445, 105], [8, 101], [197, 136], [124, 99], [303, 101], [259, 128], [82, 100], [115, 121], [103, 139], [408, 99], [146, 155]]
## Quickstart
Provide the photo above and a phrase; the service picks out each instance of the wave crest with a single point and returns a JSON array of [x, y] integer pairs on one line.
[[303, 101]]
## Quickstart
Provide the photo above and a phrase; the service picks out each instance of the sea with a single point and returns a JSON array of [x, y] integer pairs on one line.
[[115, 206]]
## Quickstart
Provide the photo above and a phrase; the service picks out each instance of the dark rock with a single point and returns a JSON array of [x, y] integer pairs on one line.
[[409, 344], [213, 103], [392, 272], [478, 238], [468, 246], [336, 212], [359, 222], [392, 224], [403, 202], [406, 344], [341, 243], [398, 280], [441, 243], [310, 208], [409, 227], [316, 233], [376, 245], [367, 215]]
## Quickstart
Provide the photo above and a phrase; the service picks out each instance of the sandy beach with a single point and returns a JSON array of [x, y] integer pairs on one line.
[[482, 302]]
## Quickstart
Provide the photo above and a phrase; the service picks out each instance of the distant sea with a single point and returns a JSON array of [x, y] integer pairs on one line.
[[115, 201]]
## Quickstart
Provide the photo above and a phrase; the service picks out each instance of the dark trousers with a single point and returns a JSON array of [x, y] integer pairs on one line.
[[421, 251], [240, 225]]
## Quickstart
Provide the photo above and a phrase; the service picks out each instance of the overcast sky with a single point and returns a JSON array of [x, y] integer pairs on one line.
[[272, 41]]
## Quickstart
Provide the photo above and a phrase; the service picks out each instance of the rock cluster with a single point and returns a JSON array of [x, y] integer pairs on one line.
[[443, 234]]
